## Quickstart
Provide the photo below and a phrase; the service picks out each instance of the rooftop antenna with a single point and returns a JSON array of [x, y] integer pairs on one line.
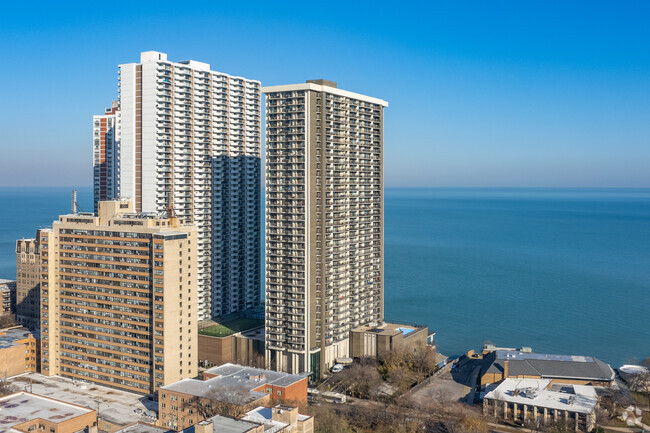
[[75, 206]]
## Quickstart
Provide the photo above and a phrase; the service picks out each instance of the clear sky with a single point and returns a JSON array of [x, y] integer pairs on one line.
[[485, 93]]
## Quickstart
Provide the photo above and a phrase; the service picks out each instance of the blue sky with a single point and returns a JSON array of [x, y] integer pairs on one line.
[[519, 93]]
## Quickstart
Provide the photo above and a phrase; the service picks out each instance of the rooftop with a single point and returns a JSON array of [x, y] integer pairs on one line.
[[3, 281], [23, 406], [10, 336], [229, 327], [233, 378], [389, 329], [222, 424], [264, 415], [324, 86], [547, 366], [541, 393], [142, 427]]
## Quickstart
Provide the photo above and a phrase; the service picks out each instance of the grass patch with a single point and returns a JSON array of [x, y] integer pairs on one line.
[[231, 327]]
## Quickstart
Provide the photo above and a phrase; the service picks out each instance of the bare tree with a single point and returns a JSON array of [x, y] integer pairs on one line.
[[227, 402], [326, 420], [360, 380], [424, 359], [6, 388], [7, 320]]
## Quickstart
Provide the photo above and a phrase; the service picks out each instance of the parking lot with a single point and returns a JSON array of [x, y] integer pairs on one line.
[[114, 405], [452, 386]]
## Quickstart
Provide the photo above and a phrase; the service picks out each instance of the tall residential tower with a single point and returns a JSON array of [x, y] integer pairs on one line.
[[324, 222], [105, 155], [118, 298], [189, 142]]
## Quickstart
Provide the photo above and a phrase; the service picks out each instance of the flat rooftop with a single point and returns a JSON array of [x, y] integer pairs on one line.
[[540, 393], [142, 427], [389, 329], [115, 405], [233, 377], [230, 327], [23, 406], [10, 336], [222, 424], [3, 281], [264, 415]]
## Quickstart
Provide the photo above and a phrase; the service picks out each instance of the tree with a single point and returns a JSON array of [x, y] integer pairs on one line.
[[6, 388], [326, 420], [7, 320], [424, 359], [360, 380], [229, 402]]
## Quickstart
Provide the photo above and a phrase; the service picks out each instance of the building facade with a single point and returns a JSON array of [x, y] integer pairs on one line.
[[227, 390], [7, 297], [18, 352], [105, 155], [543, 403], [118, 298], [27, 284], [324, 222], [190, 142]]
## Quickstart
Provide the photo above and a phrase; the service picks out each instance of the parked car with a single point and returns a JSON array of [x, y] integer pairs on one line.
[[337, 368]]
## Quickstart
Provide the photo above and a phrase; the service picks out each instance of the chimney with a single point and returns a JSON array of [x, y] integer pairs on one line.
[[505, 369], [203, 427], [74, 201]]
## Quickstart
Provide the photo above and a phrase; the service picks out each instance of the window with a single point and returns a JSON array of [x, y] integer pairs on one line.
[[279, 392]]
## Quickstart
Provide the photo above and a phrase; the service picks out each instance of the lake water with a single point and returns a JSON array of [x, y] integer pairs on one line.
[[560, 270]]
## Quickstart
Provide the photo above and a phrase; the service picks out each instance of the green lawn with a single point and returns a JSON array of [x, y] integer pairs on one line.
[[231, 327]]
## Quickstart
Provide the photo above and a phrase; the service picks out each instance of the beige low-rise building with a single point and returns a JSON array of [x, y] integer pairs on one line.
[[373, 341], [118, 298], [543, 402], [18, 352], [30, 413]]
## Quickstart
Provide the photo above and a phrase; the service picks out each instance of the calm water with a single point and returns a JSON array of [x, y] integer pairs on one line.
[[563, 271]]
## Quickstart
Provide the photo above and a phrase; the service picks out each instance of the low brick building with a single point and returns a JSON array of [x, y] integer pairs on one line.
[[18, 352], [233, 387], [244, 348], [26, 412]]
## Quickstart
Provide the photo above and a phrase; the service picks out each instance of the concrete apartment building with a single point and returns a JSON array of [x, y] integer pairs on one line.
[[105, 155], [189, 142], [118, 298], [324, 222], [7, 297], [27, 284], [18, 352]]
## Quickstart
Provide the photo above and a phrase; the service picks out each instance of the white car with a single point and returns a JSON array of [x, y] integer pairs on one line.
[[337, 368]]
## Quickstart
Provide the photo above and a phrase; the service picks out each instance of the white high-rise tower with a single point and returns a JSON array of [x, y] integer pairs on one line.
[[189, 141]]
